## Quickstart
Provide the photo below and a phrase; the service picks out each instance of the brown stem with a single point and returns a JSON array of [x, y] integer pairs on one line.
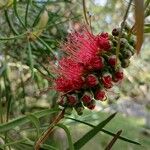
[[122, 26], [112, 142], [46, 134], [85, 12]]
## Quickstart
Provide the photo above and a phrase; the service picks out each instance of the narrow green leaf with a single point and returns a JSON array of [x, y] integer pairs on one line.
[[46, 45], [139, 23], [71, 147], [12, 143], [112, 142], [147, 25], [26, 14], [30, 59], [89, 135], [17, 14], [25, 119], [105, 131], [11, 26], [36, 123], [38, 15], [28, 142], [8, 90], [147, 30], [13, 37], [146, 4]]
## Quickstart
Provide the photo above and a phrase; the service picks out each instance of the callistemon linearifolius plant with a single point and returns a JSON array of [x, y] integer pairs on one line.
[[89, 67]]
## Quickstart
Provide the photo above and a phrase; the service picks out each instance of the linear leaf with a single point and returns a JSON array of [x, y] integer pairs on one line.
[[12, 143], [89, 135], [105, 131], [147, 30], [71, 147], [36, 123], [31, 59], [24, 119]]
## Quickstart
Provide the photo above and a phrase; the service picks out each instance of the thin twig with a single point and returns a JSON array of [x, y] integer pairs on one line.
[[112, 142], [122, 26], [46, 134], [85, 11]]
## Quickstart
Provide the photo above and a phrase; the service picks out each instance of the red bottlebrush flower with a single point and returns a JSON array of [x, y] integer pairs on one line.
[[91, 105], [86, 98], [72, 99], [70, 75], [81, 46], [112, 60], [84, 48], [91, 80], [63, 85], [96, 63], [103, 42], [118, 75], [107, 80], [100, 95], [104, 35]]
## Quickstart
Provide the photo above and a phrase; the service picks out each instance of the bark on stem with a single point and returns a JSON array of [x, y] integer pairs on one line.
[[46, 134]]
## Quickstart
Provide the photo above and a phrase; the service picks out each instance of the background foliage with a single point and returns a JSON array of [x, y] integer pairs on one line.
[[27, 107]]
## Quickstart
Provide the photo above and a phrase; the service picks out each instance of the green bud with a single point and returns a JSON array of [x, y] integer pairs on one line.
[[68, 110], [125, 63], [126, 54]]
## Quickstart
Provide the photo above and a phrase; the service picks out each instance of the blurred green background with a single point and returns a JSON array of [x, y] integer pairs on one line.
[[25, 68]]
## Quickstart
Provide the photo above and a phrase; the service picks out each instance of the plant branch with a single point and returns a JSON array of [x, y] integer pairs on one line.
[[46, 134], [84, 11], [122, 26]]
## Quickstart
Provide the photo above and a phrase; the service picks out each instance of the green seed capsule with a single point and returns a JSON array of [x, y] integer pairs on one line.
[[115, 32], [127, 54], [126, 26], [68, 110], [132, 41], [125, 63], [79, 110]]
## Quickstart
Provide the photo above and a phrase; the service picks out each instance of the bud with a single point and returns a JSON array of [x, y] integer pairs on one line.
[[91, 105], [104, 35], [123, 42], [125, 63], [115, 32], [115, 42], [127, 54], [68, 110], [86, 98], [118, 75], [72, 99], [132, 41], [107, 80], [100, 95], [79, 109], [112, 60], [96, 63], [91, 80], [131, 48], [126, 26]]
